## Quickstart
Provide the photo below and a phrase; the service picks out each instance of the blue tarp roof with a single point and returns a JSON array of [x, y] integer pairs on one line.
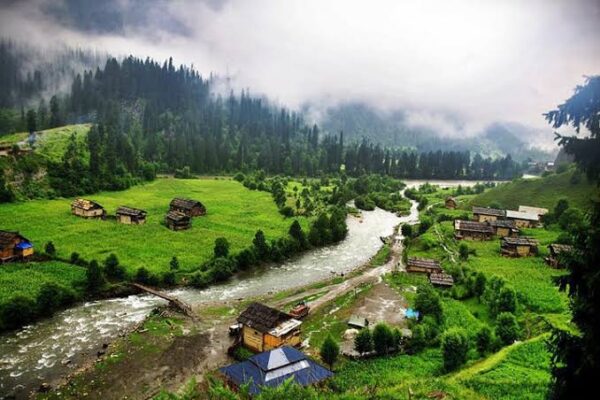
[[271, 368], [410, 313], [24, 245]]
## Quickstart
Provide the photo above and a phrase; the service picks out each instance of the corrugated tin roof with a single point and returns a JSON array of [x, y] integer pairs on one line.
[[533, 210], [522, 215]]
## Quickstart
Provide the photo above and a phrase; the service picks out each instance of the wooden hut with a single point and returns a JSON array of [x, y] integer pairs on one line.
[[450, 202], [87, 209], [128, 215], [472, 230], [523, 219], [265, 328], [556, 250], [14, 246], [191, 208], [423, 266], [484, 214], [441, 279], [177, 221], [503, 228], [519, 247]]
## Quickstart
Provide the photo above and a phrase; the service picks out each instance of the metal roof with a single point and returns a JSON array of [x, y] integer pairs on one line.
[[533, 210], [522, 215], [285, 327]]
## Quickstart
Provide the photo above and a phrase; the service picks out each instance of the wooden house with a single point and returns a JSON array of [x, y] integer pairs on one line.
[[128, 215], [472, 230], [450, 202], [423, 266], [177, 221], [87, 209], [519, 247], [14, 246], [539, 211], [265, 328], [556, 250], [523, 219], [441, 279], [484, 214], [503, 228], [191, 208]]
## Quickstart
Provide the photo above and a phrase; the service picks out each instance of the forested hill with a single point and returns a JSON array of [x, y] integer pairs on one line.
[[151, 117]]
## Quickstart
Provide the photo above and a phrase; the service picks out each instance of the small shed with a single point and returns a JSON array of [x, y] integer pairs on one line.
[[441, 279], [523, 219], [128, 215], [177, 221], [14, 246], [484, 214], [519, 247], [87, 209], [473, 230], [191, 208], [450, 202], [556, 250], [265, 328], [423, 266], [358, 322], [504, 227], [274, 367]]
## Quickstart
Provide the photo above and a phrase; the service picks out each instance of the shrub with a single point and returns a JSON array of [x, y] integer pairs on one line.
[[418, 340], [241, 353], [364, 203], [329, 351], [455, 346], [383, 338], [52, 297], [287, 211], [17, 311], [507, 328], [245, 259], [407, 230], [479, 285], [142, 275], [260, 246], [239, 177], [74, 258], [298, 234], [219, 269], [507, 300], [94, 275], [483, 339], [463, 251], [221, 247], [363, 342], [199, 280], [561, 206], [174, 264], [50, 249], [168, 278], [112, 269], [427, 302]]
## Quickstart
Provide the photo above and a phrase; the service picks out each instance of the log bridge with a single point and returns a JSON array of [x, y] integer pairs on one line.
[[174, 302]]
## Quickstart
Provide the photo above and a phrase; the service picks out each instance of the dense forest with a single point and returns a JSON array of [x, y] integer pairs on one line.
[[158, 118]]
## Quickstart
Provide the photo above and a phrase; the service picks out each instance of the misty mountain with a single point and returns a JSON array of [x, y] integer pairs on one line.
[[391, 128]]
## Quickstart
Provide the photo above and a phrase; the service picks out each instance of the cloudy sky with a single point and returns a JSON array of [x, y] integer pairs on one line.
[[456, 65]]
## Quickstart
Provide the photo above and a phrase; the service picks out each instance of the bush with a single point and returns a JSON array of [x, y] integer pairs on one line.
[[174, 264], [200, 280], [219, 269], [241, 353], [484, 340], [364, 203], [168, 278], [427, 302], [17, 311], [239, 177], [142, 275], [112, 269], [261, 247], [507, 300], [479, 285], [221, 247], [245, 259], [363, 342], [418, 341], [298, 234], [463, 251], [50, 249], [329, 351], [94, 275], [74, 258], [52, 297], [407, 230], [287, 211], [383, 339], [507, 328], [455, 346]]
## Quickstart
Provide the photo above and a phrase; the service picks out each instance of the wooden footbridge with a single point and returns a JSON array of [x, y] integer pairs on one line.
[[173, 301]]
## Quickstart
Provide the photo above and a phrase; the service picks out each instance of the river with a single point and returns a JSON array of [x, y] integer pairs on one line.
[[54, 347]]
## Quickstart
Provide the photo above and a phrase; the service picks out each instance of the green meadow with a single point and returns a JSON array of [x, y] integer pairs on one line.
[[233, 212]]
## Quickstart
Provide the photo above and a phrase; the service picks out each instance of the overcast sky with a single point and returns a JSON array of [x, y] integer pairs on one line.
[[452, 64]]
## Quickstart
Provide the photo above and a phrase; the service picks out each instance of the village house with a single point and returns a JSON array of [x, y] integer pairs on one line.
[[484, 214], [503, 228], [177, 221], [519, 247], [272, 368], [265, 328], [87, 209], [441, 279], [128, 215], [523, 219], [450, 202], [556, 250], [14, 246], [472, 230], [533, 210], [191, 208], [423, 266]]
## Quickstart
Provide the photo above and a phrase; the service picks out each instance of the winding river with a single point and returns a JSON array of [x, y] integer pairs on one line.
[[52, 348]]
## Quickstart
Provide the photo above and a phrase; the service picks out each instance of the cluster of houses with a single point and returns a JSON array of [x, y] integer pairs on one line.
[[179, 216], [274, 335]]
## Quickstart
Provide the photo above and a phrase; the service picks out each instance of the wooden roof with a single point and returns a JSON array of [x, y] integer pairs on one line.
[[261, 317], [85, 204], [473, 226], [556, 248], [519, 241], [177, 216], [8, 237], [134, 212], [504, 223], [441, 278], [186, 204], [489, 211], [424, 263]]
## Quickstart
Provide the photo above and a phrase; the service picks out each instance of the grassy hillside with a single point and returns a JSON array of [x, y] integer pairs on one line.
[[234, 212], [543, 192], [51, 143]]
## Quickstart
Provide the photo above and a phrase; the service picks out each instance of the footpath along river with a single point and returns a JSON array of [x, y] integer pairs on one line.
[[51, 348]]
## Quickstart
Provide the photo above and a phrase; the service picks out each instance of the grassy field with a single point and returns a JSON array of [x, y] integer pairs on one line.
[[27, 279], [233, 212], [52, 143], [543, 192]]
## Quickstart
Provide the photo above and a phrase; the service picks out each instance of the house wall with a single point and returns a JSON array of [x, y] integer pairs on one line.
[[502, 232], [521, 223], [27, 252], [474, 235], [523, 251], [272, 342], [7, 252], [88, 214], [124, 219], [485, 218], [252, 338]]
